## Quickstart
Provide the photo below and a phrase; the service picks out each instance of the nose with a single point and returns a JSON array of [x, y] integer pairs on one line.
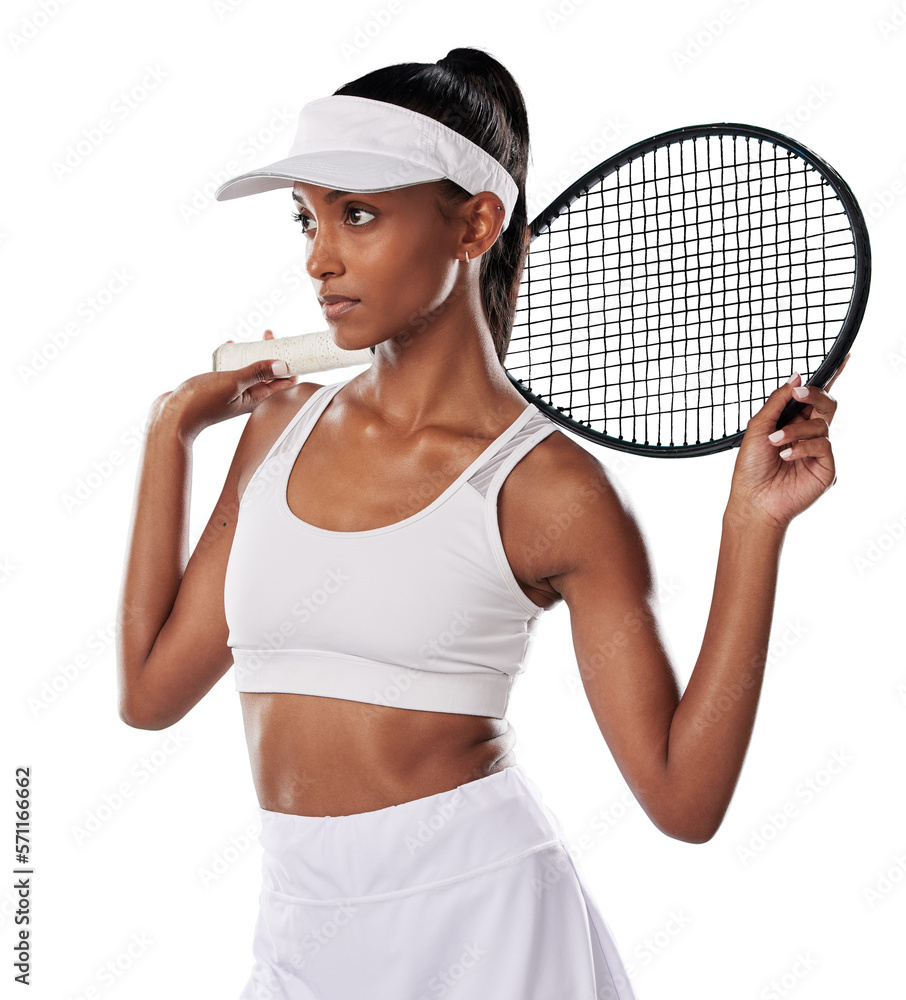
[[323, 255]]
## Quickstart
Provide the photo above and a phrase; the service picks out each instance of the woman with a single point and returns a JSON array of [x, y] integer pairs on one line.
[[371, 570]]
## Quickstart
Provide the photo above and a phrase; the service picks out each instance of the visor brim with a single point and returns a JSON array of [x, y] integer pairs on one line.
[[344, 170]]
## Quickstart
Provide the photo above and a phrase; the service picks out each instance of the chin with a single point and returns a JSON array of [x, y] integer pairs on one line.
[[348, 341], [342, 340]]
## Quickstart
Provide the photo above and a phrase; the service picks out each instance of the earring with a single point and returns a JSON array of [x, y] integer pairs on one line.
[[467, 256]]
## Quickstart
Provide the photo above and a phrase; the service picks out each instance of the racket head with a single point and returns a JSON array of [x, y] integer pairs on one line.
[[583, 242]]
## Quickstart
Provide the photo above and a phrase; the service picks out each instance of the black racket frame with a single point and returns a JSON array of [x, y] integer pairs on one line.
[[841, 345]]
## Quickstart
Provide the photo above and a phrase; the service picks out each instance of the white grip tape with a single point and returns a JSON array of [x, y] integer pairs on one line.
[[307, 353]]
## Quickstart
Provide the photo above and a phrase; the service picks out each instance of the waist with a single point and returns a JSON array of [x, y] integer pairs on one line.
[[480, 691], [324, 756], [491, 821]]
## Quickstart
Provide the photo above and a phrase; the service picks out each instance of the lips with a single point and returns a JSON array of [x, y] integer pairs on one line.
[[336, 305]]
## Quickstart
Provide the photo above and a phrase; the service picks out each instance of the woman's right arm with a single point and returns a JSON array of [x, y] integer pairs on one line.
[[171, 641]]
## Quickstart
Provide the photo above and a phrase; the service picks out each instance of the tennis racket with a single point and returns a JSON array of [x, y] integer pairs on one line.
[[669, 290]]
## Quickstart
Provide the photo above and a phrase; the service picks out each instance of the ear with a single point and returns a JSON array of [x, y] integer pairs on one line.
[[483, 217]]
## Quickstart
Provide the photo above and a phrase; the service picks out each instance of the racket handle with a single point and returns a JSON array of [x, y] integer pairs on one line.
[[307, 353], [789, 411]]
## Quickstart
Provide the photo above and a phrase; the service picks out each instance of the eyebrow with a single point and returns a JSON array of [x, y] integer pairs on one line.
[[330, 197]]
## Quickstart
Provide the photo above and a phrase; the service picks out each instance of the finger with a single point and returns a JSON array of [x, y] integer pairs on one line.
[[773, 406], [271, 337], [799, 431], [260, 371], [822, 404], [254, 394], [817, 447], [260, 390]]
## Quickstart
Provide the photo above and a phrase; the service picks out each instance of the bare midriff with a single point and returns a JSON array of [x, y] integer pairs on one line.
[[318, 756]]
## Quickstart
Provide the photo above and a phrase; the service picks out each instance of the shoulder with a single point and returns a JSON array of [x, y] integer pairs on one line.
[[266, 423], [568, 506], [568, 478]]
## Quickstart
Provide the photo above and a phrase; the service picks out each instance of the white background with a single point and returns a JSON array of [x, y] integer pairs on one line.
[[118, 883]]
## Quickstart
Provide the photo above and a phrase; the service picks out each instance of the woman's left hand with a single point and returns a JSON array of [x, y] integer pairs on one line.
[[776, 480]]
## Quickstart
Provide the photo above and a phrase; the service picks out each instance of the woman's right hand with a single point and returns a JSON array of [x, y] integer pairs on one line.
[[206, 399]]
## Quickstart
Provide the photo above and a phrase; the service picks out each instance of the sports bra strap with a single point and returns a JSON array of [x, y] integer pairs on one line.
[[481, 478]]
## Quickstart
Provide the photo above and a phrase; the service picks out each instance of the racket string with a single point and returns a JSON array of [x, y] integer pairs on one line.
[[666, 302]]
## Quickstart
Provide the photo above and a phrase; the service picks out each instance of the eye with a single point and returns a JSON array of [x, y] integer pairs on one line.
[[360, 212], [303, 218], [309, 225]]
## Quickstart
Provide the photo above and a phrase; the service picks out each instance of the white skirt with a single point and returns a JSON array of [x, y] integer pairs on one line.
[[469, 893]]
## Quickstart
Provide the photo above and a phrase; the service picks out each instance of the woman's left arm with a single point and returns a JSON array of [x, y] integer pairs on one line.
[[777, 475], [682, 756]]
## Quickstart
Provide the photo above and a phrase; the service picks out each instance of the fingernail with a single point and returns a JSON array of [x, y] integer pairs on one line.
[[792, 378], [801, 391], [279, 368], [776, 436]]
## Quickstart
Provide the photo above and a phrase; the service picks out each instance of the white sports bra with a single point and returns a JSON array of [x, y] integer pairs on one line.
[[421, 614]]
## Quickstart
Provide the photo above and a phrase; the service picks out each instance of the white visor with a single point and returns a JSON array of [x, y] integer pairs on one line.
[[357, 144]]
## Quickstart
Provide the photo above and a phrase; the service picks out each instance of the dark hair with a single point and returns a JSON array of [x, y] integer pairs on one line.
[[470, 92]]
